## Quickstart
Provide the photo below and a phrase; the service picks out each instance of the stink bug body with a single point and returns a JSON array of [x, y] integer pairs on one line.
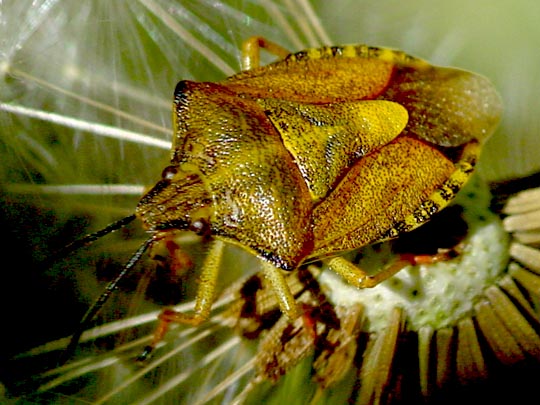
[[321, 152]]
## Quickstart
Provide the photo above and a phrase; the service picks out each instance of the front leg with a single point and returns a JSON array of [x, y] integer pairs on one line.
[[285, 298], [203, 300]]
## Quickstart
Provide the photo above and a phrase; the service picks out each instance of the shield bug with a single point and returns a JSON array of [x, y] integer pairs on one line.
[[324, 151]]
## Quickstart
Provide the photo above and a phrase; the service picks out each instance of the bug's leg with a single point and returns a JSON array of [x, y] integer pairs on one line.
[[203, 300], [251, 51], [169, 254], [442, 255], [358, 277], [286, 300]]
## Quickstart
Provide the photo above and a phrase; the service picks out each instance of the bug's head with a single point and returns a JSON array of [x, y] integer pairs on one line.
[[179, 200]]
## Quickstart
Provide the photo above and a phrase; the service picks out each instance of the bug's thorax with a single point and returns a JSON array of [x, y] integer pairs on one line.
[[232, 171]]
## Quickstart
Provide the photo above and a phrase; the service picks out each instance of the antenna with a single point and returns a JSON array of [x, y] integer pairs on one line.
[[87, 240], [98, 304], [111, 287]]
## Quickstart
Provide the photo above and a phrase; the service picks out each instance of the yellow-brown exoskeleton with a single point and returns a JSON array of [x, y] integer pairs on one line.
[[324, 151]]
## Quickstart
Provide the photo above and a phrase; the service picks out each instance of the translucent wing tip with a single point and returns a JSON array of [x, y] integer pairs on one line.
[[473, 105]]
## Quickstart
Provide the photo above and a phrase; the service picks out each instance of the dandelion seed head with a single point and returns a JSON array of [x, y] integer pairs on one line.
[[439, 294]]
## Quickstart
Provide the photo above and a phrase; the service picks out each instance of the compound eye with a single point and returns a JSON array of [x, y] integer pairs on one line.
[[200, 227], [169, 172]]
